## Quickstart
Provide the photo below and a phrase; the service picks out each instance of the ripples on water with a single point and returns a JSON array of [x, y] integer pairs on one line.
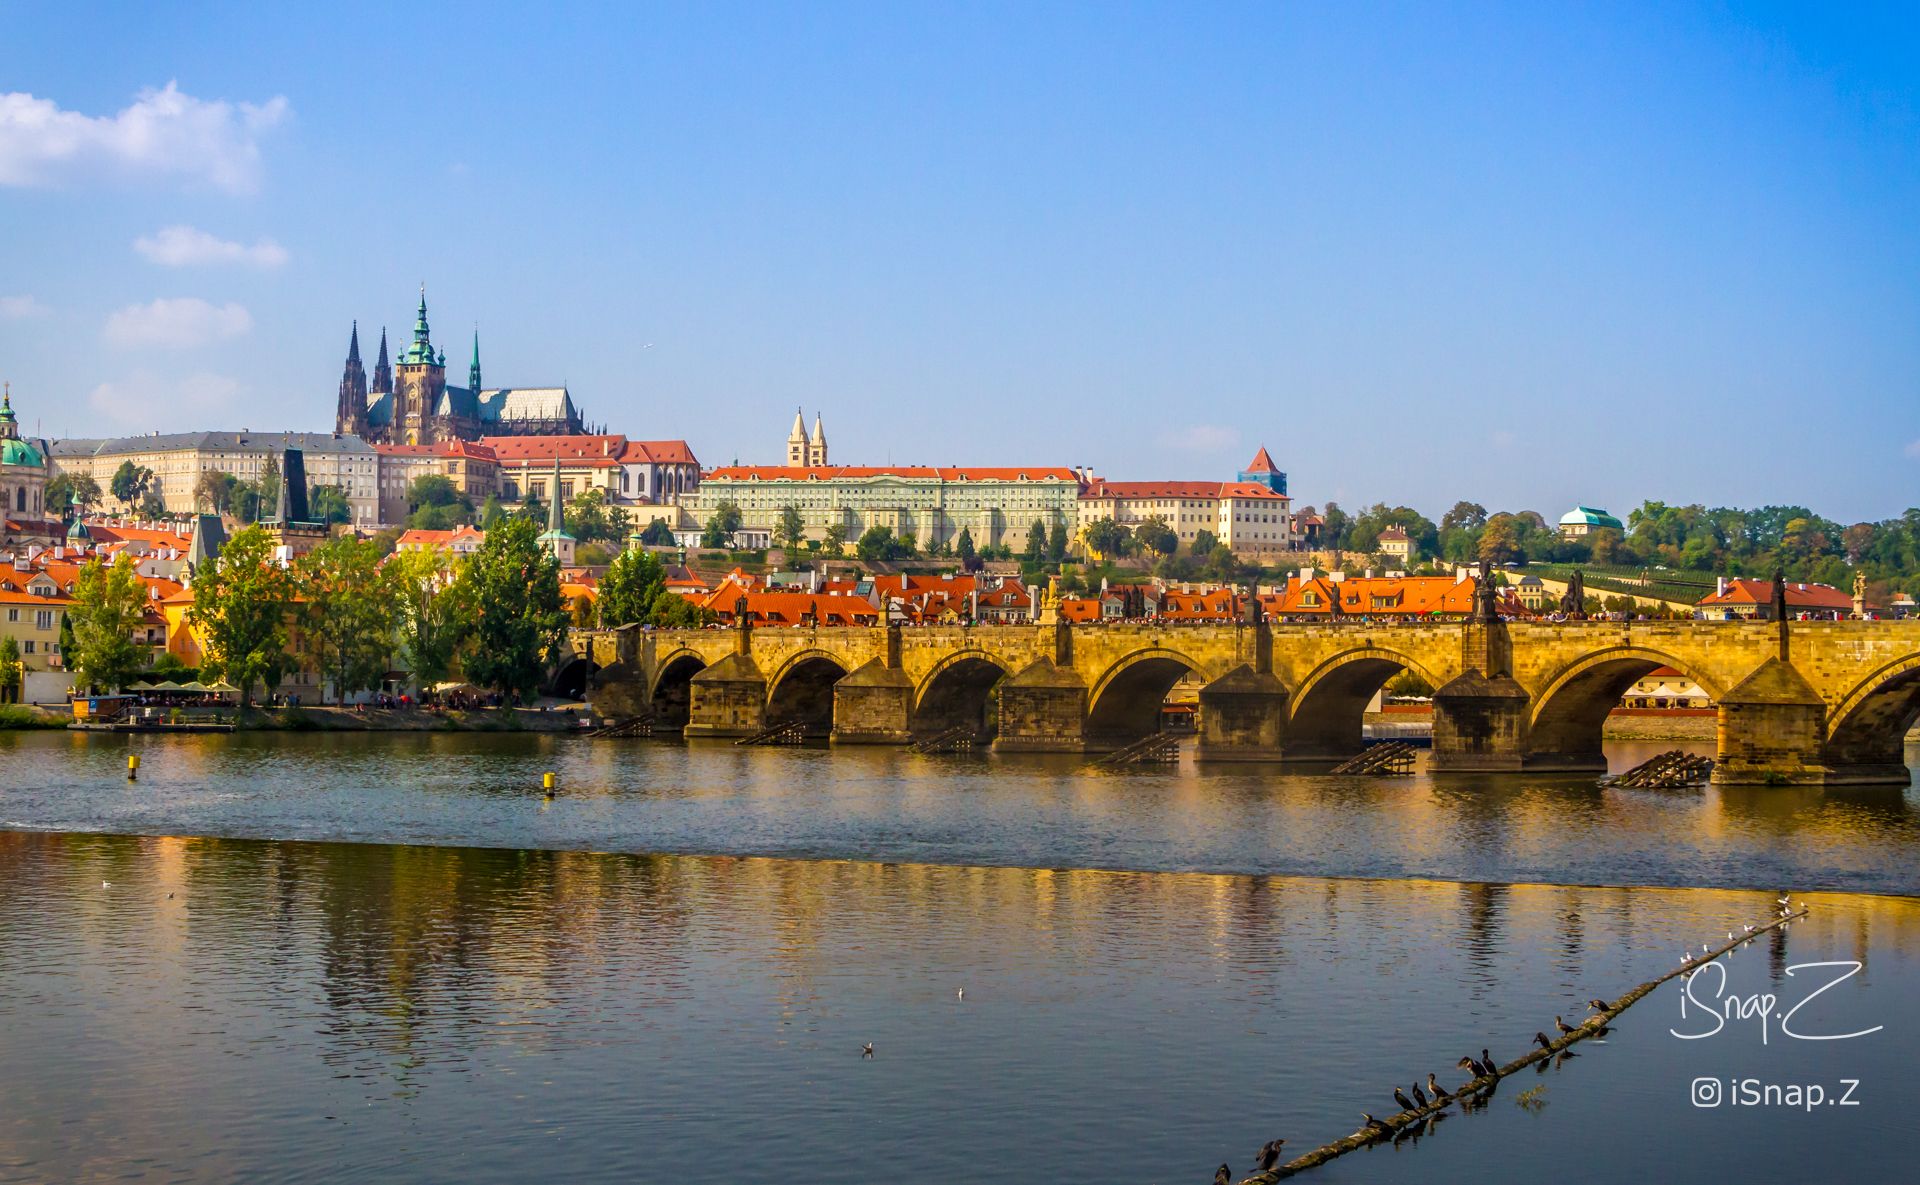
[[243, 1011], [890, 805]]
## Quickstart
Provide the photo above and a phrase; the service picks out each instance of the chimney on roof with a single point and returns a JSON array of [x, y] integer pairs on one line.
[[1720, 586], [1460, 574]]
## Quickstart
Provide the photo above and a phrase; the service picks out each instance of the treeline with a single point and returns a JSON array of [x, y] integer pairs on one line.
[[1720, 541], [346, 610]]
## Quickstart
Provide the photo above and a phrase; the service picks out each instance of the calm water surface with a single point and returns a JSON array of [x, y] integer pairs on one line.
[[279, 1008], [884, 804]]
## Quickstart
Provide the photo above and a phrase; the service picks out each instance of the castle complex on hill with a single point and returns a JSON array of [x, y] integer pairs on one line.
[[410, 403]]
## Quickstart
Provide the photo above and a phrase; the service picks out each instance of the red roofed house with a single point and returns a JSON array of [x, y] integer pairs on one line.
[[1752, 600], [473, 469], [1250, 515], [629, 472]]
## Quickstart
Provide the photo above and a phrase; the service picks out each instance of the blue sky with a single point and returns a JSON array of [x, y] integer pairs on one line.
[[1527, 255]]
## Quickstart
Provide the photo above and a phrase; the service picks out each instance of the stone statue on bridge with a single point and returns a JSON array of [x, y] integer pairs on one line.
[[1574, 602]]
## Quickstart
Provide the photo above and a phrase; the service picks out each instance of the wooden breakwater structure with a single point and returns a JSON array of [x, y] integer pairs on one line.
[[1385, 759], [1405, 1120], [1676, 769]]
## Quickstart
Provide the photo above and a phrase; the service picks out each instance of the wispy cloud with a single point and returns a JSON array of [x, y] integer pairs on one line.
[[179, 323], [19, 308], [1913, 450], [143, 401], [184, 246], [1205, 438], [163, 133]]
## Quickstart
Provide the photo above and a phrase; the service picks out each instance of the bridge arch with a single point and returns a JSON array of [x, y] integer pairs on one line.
[[958, 691], [1869, 725], [671, 693], [1124, 704], [802, 691], [1568, 714], [1329, 708], [574, 677]]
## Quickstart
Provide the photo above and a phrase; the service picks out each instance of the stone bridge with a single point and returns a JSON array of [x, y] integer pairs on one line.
[[1828, 703]]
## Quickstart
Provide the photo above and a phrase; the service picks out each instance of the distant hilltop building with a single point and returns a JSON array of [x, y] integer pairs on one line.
[[411, 403], [1585, 520], [24, 472]]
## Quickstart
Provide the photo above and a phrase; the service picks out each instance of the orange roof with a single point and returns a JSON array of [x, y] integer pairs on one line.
[[162, 537], [1179, 489], [415, 537], [923, 472], [1799, 596], [444, 448], [658, 452], [574, 451], [1395, 596], [1262, 463], [793, 608]]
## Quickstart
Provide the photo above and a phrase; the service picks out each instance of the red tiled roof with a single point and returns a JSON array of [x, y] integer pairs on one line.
[[1262, 463], [659, 452], [928, 472], [568, 449], [444, 448], [1178, 489], [1799, 596]]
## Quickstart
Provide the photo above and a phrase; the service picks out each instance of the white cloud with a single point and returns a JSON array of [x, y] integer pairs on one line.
[[1913, 450], [176, 324], [19, 308], [184, 246], [144, 402], [1205, 438], [162, 133]]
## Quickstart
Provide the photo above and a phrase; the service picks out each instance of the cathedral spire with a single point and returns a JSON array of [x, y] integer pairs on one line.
[[421, 351], [383, 370], [473, 372], [350, 416]]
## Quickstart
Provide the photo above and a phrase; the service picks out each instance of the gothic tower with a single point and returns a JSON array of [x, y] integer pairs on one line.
[[382, 371], [351, 416], [473, 372], [817, 447], [419, 381], [797, 440]]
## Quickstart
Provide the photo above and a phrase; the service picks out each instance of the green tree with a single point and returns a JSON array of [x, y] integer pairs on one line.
[[1500, 543], [1107, 539], [131, 482], [1204, 541], [328, 504], [724, 521], [1465, 516], [152, 505], [434, 503], [1036, 542], [214, 491], [70, 495], [633, 582], [12, 670], [109, 604], [657, 534], [1057, 544], [491, 512], [349, 608], [519, 621], [434, 613], [1336, 525], [1154, 535], [793, 527], [671, 611], [963, 547], [241, 603], [836, 538], [878, 543], [586, 516]]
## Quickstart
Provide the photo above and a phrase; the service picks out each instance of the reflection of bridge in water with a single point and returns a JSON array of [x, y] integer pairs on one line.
[[1834, 707]]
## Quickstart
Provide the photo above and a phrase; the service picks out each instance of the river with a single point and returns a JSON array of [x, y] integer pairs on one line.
[[384, 957]]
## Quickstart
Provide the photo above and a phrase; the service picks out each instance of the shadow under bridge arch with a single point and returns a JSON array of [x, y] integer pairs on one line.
[[1125, 705], [802, 691], [1569, 715], [959, 692], [1329, 710]]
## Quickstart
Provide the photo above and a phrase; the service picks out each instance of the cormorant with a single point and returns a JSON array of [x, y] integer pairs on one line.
[[1563, 1026], [1269, 1155], [1541, 1038], [1486, 1059], [866, 1050], [1599, 1005], [1374, 1125], [1222, 1176], [1433, 1087], [1400, 1096], [1419, 1096]]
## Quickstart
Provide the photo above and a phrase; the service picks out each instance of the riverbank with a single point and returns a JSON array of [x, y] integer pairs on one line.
[[332, 719]]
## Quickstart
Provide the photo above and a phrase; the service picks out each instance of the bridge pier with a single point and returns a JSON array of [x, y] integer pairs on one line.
[[1771, 730], [1043, 709], [1243, 717], [873, 706], [729, 699], [1480, 723]]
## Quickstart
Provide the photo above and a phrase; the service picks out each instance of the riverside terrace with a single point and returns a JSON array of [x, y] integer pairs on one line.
[[1828, 703]]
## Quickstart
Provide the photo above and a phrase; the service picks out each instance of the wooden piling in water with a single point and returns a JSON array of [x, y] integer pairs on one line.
[[1402, 1120]]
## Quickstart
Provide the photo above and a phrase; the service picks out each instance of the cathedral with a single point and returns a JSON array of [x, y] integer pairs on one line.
[[410, 402]]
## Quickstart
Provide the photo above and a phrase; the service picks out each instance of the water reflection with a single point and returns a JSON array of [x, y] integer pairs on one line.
[[212, 1009]]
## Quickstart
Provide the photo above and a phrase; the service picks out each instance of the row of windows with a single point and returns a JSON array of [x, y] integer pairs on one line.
[[43, 619]]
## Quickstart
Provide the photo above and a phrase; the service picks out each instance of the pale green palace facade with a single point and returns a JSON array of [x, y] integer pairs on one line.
[[997, 505]]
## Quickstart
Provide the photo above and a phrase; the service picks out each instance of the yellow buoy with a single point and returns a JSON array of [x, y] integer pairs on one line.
[[548, 780], [133, 766]]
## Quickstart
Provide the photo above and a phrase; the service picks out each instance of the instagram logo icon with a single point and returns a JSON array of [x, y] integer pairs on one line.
[[1705, 1092]]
